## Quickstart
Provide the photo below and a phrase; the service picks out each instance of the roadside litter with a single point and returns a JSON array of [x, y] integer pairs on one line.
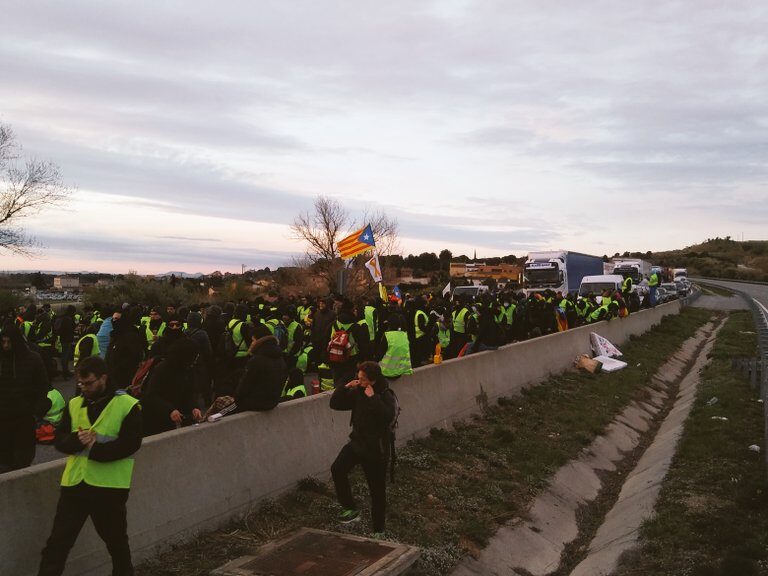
[[586, 363], [723, 418], [610, 364], [712, 401], [754, 448], [602, 347]]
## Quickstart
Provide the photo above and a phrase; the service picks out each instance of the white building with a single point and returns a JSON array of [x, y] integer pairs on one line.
[[66, 282]]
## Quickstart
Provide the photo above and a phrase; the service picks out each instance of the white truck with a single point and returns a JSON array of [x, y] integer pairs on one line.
[[679, 273], [559, 271], [634, 268]]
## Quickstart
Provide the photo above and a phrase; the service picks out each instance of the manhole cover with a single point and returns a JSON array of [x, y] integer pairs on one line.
[[309, 552]]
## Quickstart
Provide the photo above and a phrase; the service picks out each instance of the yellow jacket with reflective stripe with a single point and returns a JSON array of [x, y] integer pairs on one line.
[[79, 467], [397, 358]]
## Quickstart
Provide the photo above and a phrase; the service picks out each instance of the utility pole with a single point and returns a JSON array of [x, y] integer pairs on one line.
[[243, 267]]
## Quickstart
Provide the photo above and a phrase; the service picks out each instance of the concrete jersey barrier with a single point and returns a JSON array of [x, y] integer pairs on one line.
[[199, 478]]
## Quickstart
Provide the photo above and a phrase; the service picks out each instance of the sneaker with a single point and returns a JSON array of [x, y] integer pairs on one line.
[[349, 515]]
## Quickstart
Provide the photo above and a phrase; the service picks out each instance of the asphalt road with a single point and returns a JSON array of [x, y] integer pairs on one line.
[[757, 291]]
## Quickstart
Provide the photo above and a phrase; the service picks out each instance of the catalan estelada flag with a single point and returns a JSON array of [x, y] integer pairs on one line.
[[356, 243]]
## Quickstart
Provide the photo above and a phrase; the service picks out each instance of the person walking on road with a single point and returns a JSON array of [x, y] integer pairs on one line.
[[101, 431], [373, 408]]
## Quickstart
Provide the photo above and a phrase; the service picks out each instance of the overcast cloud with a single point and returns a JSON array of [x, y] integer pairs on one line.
[[196, 132]]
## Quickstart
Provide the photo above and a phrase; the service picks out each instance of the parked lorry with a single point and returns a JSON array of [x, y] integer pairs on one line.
[[559, 271], [634, 268], [679, 273]]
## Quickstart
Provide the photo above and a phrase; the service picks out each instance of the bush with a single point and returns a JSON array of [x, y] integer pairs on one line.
[[135, 289], [8, 301]]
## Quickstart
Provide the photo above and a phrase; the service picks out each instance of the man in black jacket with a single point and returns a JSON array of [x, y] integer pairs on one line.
[[373, 410], [23, 390], [265, 373]]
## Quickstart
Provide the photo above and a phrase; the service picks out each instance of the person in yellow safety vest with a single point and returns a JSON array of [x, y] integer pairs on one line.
[[443, 328], [325, 375], [56, 411], [606, 311], [653, 285], [459, 334], [422, 342], [41, 335], [87, 346], [626, 285], [294, 338], [371, 314], [606, 297], [239, 331], [100, 431], [294, 386], [396, 359], [303, 310], [303, 361], [95, 318], [153, 329], [46, 429]]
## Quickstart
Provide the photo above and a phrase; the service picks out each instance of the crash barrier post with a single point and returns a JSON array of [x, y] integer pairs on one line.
[[200, 478]]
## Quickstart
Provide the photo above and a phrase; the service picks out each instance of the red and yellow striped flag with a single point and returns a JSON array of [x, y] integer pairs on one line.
[[356, 243]]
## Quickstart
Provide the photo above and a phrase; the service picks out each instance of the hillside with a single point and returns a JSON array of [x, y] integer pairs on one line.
[[720, 258]]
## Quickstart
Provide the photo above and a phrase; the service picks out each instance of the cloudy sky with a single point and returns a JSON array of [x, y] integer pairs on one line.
[[194, 132]]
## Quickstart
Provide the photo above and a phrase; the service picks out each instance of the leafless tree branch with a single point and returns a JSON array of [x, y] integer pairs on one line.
[[25, 190]]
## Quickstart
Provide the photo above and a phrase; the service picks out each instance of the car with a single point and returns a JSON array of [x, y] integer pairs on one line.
[[682, 289], [671, 290], [661, 294], [471, 291]]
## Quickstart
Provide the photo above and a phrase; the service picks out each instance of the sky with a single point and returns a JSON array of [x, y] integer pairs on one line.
[[193, 133]]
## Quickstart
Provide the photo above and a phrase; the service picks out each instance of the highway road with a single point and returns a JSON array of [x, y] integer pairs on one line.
[[757, 291]]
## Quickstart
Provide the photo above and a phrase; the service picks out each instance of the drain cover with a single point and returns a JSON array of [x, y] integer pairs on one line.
[[310, 552]]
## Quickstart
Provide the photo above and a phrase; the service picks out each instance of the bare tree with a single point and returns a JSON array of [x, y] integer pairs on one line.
[[328, 223], [26, 188]]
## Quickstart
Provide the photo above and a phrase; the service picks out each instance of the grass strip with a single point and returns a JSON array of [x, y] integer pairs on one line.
[[712, 290], [455, 488], [712, 514]]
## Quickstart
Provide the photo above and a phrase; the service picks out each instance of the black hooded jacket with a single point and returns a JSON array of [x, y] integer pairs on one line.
[[265, 374], [371, 417], [23, 379]]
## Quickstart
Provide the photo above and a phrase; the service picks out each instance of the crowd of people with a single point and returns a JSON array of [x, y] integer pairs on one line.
[[184, 362], [142, 370]]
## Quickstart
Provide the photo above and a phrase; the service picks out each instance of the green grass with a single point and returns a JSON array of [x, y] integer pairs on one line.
[[455, 488], [713, 510], [712, 290]]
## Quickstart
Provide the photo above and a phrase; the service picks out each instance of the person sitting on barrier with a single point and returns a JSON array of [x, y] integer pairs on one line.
[[101, 431]]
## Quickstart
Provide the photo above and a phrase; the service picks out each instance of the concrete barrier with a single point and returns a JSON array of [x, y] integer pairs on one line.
[[199, 478]]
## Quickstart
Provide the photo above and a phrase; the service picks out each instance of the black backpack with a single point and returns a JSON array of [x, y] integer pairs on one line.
[[230, 346]]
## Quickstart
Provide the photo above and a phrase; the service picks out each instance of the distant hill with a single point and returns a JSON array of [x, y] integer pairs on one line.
[[720, 258]]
